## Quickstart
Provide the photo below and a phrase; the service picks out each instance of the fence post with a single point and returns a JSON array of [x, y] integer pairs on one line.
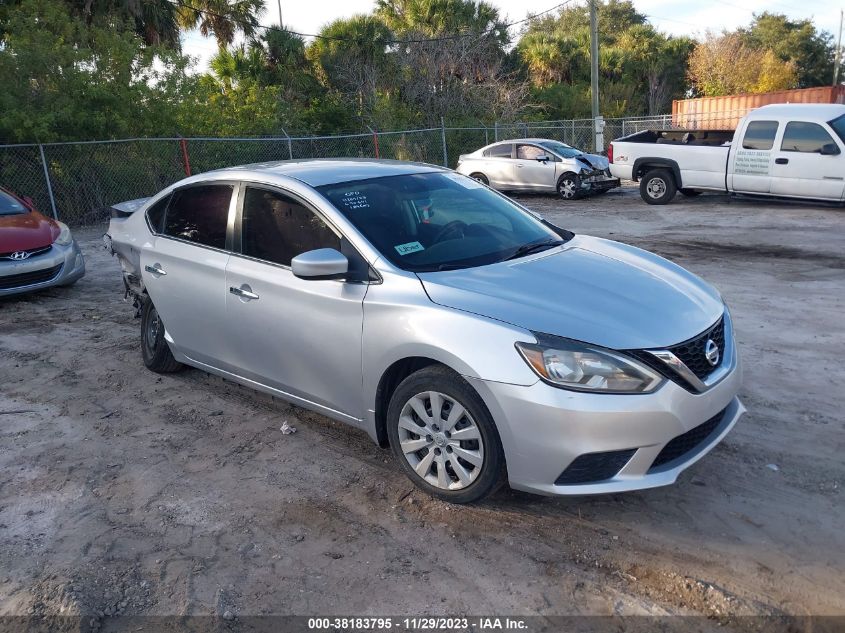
[[443, 138], [375, 139], [47, 180], [486, 135], [186, 161], [290, 146], [496, 131]]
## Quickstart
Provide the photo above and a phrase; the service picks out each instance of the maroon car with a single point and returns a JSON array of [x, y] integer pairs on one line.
[[35, 251]]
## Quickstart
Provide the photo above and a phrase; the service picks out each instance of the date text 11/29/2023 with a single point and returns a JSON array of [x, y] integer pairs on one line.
[[402, 624]]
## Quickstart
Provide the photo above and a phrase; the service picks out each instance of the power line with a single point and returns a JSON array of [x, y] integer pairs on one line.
[[444, 38]]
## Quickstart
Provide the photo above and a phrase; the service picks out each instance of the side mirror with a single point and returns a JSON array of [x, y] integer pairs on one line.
[[543, 158], [323, 263], [829, 149], [29, 202]]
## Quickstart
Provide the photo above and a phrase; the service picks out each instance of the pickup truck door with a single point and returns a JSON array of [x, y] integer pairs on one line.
[[810, 163], [750, 168], [533, 174]]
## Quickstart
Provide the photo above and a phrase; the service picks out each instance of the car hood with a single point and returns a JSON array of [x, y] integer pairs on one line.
[[26, 231], [589, 289], [594, 161]]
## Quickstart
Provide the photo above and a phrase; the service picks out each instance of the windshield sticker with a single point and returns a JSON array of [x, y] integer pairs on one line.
[[410, 247], [355, 200], [463, 181]]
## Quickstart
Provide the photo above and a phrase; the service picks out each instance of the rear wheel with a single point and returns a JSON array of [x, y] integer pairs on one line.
[[154, 349], [443, 436], [480, 178], [569, 186], [658, 186]]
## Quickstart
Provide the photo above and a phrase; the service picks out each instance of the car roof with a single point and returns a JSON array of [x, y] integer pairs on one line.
[[316, 172], [819, 112], [528, 140]]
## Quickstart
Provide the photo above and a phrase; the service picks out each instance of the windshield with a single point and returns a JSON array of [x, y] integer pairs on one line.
[[561, 149], [838, 126], [9, 205], [438, 221]]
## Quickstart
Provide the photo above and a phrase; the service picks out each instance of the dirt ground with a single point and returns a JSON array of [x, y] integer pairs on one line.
[[125, 492]]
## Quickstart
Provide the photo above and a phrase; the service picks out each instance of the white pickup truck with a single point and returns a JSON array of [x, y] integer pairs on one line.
[[790, 151]]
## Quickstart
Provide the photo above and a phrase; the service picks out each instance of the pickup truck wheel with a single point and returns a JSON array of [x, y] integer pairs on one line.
[[689, 193], [480, 178], [658, 186], [154, 349], [444, 437], [569, 186]]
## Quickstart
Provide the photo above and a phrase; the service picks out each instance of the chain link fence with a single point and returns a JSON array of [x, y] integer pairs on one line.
[[79, 181]]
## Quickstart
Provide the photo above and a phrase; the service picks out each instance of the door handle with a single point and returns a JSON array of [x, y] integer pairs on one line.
[[781, 161], [520, 165], [243, 292], [155, 269]]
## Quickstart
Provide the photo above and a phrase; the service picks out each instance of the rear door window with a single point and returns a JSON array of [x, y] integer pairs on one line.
[[499, 151], [276, 227], [199, 214], [803, 136], [760, 135], [155, 214]]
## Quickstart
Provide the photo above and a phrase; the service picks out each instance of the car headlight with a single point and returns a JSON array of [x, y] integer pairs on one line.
[[581, 367], [64, 237]]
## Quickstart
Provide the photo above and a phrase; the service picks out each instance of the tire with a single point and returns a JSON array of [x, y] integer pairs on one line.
[[154, 349], [658, 186], [689, 193], [480, 178], [436, 467], [569, 186]]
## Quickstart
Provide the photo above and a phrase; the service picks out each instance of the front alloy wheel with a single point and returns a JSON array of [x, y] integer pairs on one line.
[[441, 441]]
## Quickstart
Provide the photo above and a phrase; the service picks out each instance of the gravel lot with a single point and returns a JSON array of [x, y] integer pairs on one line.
[[122, 491]]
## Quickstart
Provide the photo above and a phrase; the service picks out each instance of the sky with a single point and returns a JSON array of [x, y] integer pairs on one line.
[[677, 17]]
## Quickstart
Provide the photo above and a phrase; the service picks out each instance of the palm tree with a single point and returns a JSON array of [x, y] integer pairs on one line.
[[220, 18]]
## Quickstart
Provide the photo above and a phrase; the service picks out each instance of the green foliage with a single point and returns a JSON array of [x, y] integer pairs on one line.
[[794, 41]]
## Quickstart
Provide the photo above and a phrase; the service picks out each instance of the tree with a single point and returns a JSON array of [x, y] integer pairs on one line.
[[76, 79], [725, 64], [221, 18], [351, 58], [798, 42]]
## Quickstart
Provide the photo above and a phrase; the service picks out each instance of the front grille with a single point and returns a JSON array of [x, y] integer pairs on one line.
[[687, 442], [29, 252], [593, 467], [28, 279], [691, 352]]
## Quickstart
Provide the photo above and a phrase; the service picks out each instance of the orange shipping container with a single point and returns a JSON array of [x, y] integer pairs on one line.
[[724, 113]]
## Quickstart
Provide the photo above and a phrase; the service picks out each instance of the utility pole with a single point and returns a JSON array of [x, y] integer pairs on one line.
[[838, 50], [594, 75], [281, 24]]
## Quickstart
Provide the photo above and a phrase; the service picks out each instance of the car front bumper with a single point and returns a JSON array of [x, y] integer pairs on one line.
[[60, 266], [601, 182], [544, 430]]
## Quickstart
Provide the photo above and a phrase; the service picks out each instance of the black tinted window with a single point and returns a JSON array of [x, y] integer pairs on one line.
[[277, 228], [155, 214], [838, 126], [10, 206], [499, 151], [801, 136], [199, 214], [760, 135]]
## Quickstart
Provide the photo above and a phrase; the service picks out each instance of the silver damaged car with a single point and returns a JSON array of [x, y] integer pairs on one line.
[[539, 165], [480, 342]]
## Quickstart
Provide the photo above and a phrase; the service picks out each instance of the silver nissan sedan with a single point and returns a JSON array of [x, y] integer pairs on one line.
[[480, 342]]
